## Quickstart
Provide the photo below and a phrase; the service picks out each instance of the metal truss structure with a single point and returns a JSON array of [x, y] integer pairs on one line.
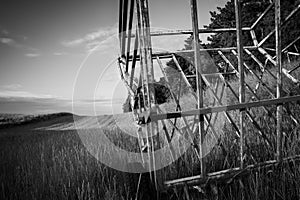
[[143, 101]]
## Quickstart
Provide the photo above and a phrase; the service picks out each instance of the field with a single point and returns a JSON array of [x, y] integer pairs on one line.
[[42, 157]]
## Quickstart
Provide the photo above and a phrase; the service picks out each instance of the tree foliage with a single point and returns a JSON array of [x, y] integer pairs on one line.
[[225, 17]]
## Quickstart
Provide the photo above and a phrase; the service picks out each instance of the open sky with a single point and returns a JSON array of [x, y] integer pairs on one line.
[[46, 56]]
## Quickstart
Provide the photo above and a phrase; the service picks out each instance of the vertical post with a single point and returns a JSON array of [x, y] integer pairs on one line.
[[136, 45], [239, 33], [124, 26], [199, 83], [129, 33], [146, 49], [148, 76], [279, 78], [120, 21]]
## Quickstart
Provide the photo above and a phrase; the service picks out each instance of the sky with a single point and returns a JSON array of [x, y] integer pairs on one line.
[[59, 53]]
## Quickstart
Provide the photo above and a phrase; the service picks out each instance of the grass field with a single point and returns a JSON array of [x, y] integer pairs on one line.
[[42, 157]]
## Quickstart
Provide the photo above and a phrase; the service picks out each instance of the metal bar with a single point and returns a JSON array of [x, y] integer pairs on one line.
[[190, 32], [146, 55], [279, 79], [287, 52], [123, 79], [129, 32], [216, 90], [167, 55], [136, 45], [295, 68], [291, 44], [140, 35], [239, 34], [124, 25], [262, 15], [226, 108], [120, 21], [228, 173], [199, 85], [254, 38], [296, 48]]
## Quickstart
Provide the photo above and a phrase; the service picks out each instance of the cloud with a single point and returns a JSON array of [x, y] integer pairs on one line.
[[60, 53], [32, 55], [10, 42], [6, 93], [92, 39]]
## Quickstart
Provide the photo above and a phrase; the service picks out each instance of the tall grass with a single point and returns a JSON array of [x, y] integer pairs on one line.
[[52, 165], [45, 164]]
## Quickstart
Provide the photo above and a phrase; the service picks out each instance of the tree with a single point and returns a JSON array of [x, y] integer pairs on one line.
[[225, 17]]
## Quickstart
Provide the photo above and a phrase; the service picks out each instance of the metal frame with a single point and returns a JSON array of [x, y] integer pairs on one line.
[[151, 114]]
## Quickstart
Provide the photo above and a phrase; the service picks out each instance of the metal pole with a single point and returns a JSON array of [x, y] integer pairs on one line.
[[120, 23], [279, 78], [147, 64], [241, 76], [124, 26], [129, 33], [199, 83]]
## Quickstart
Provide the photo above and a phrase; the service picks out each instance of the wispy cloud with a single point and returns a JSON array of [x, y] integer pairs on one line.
[[32, 55], [92, 39], [60, 53], [14, 93], [10, 42]]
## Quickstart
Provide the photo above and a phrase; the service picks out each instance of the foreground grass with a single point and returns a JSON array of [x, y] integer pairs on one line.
[[52, 165]]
